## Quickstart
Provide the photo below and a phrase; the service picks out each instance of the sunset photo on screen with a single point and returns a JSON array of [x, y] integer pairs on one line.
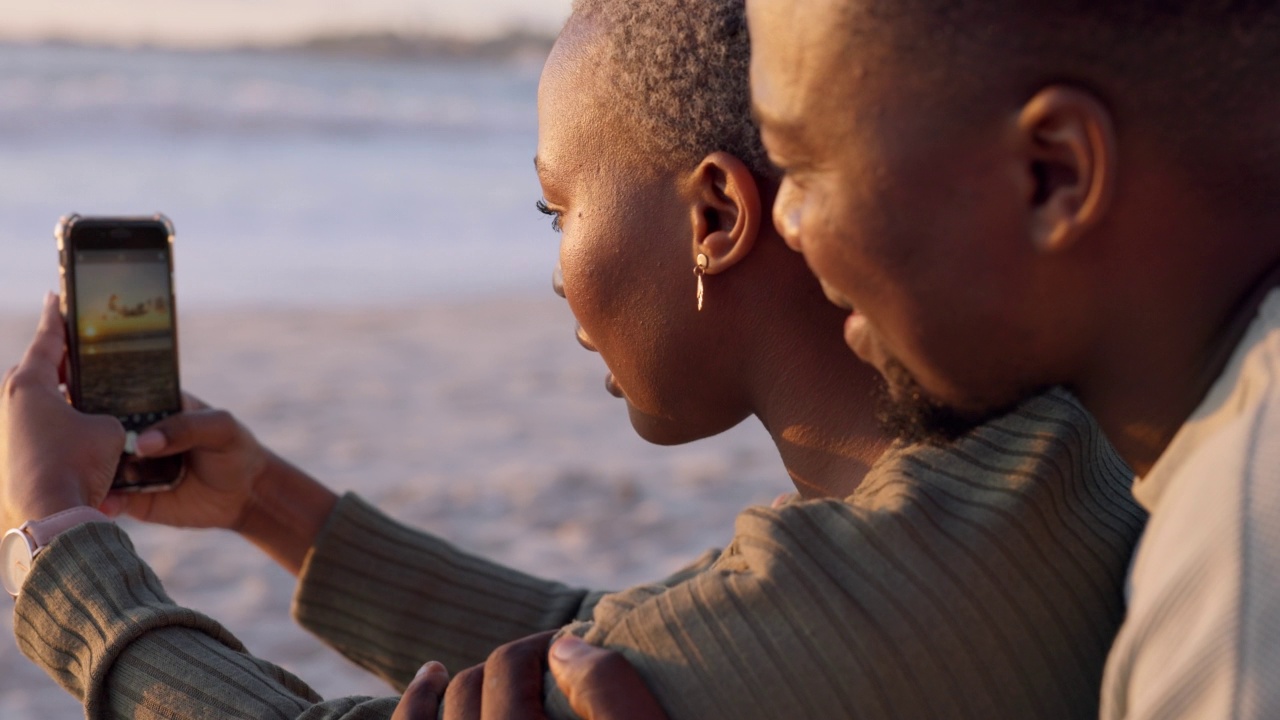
[[125, 332]]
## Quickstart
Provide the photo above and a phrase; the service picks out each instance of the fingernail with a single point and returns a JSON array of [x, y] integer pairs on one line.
[[428, 667], [569, 648], [111, 506], [149, 442]]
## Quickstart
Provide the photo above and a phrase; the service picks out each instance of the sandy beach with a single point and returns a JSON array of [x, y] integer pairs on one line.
[[483, 422]]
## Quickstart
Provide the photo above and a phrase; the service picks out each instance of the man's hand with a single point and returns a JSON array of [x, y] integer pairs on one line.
[[507, 686], [600, 685], [421, 699], [52, 457]]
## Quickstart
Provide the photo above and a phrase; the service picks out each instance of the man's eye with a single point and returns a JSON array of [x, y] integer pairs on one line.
[[555, 215]]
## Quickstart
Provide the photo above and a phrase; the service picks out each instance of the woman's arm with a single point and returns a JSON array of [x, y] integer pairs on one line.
[[98, 621], [385, 595]]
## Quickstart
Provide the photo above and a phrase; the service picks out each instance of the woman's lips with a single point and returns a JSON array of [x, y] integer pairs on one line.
[[584, 339], [860, 338], [611, 384], [557, 284]]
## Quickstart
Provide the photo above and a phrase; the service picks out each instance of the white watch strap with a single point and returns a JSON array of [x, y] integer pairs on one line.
[[44, 530]]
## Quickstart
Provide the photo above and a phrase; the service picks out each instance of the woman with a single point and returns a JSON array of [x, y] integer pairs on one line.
[[979, 579]]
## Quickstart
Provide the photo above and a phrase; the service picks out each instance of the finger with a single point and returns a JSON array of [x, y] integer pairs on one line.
[[513, 680], [113, 505], [462, 699], [44, 355], [421, 698], [107, 430], [600, 684], [204, 429]]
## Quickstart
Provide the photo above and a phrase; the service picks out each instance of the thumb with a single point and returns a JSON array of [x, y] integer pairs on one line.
[[600, 684]]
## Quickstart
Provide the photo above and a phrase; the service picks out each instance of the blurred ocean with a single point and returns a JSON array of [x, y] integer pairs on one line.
[[292, 178]]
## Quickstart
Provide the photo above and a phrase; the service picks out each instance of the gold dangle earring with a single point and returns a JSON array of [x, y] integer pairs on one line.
[[700, 270]]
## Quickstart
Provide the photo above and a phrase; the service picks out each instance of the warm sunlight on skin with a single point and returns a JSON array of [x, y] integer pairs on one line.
[[231, 22]]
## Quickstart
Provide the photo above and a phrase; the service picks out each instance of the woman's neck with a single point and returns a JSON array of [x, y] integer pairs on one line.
[[818, 402]]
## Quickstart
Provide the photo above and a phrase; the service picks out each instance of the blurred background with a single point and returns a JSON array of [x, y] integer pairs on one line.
[[308, 152], [361, 278]]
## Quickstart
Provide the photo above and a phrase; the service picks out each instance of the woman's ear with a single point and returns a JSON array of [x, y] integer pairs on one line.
[[1071, 164], [726, 211]]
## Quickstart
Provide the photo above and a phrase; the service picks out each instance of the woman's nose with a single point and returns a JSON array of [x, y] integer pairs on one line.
[[557, 280]]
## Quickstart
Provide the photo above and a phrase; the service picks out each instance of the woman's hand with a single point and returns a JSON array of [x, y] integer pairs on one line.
[[231, 482], [224, 465], [52, 457]]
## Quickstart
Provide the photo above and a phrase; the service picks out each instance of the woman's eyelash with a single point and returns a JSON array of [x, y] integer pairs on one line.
[[555, 215]]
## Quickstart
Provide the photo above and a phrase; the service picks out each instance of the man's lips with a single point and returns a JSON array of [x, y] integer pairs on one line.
[[835, 298]]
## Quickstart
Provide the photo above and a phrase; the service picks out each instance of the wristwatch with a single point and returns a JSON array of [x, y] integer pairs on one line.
[[21, 545]]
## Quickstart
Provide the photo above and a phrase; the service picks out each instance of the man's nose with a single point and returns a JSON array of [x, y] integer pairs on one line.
[[786, 215]]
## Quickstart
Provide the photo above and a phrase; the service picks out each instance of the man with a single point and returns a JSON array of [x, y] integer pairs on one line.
[[1011, 194]]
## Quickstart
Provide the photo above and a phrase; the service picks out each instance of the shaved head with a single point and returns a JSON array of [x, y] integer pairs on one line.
[[1197, 77], [679, 74]]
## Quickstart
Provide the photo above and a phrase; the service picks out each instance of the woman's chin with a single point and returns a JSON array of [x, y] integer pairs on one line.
[[659, 430], [670, 431]]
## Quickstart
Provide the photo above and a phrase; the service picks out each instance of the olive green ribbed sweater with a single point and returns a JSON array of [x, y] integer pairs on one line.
[[981, 580]]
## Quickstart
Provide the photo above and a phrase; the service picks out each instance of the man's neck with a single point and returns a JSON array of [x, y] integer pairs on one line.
[[1161, 371]]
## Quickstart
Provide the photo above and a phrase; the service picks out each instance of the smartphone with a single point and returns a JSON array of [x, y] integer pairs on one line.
[[122, 331]]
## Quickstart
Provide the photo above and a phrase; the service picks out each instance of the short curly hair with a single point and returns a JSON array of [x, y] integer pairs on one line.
[[679, 70]]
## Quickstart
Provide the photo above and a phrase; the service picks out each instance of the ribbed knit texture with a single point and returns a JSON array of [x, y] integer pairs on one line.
[[1202, 637], [981, 580], [390, 597], [977, 581]]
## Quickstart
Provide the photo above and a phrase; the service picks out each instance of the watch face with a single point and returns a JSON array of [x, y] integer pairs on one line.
[[15, 553]]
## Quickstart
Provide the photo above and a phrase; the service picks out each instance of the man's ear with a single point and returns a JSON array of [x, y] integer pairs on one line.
[[1070, 145], [726, 211]]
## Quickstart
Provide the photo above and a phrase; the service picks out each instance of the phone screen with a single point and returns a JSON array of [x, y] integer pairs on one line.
[[123, 332], [124, 324]]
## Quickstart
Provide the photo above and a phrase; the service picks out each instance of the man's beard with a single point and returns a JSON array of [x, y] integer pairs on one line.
[[908, 413]]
